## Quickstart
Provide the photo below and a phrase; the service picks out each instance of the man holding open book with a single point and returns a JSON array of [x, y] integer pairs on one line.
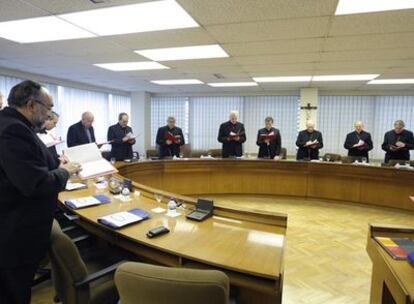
[[169, 139], [398, 142], [269, 140], [309, 142], [232, 135], [121, 138], [30, 180], [359, 142]]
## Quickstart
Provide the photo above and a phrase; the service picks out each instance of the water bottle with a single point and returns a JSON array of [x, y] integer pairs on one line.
[[172, 206]]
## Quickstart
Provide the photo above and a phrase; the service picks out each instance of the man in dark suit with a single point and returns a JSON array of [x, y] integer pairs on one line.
[[309, 142], [359, 142], [269, 140], [121, 138], [81, 132], [30, 180], [232, 135], [398, 142], [169, 139]]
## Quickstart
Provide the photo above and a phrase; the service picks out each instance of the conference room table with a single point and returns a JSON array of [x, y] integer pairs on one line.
[[328, 181], [248, 245]]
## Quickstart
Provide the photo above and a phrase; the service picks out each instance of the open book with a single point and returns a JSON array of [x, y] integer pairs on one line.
[[49, 140], [173, 138], [91, 160], [124, 218], [269, 136]]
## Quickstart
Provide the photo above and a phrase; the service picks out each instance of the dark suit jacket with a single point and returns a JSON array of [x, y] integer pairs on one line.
[[120, 150], [391, 138], [353, 138], [305, 152], [274, 145], [231, 147], [161, 141], [77, 135], [30, 181]]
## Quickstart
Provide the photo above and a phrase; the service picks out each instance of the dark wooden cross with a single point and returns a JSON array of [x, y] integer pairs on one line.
[[308, 110]]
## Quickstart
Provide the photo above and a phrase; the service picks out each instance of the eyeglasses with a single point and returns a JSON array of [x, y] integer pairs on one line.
[[49, 108]]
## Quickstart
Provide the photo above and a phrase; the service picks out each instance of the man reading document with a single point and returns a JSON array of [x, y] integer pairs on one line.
[[30, 180]]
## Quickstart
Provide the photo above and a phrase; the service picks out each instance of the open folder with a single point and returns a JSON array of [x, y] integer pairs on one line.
[[91, 160], [124, 218], [49, 140], [83, 202]]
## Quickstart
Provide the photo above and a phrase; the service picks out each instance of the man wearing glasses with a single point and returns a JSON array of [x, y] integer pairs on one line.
[[30, 180]]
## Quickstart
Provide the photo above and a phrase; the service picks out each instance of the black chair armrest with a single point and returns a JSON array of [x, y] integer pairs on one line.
[[97, 275]]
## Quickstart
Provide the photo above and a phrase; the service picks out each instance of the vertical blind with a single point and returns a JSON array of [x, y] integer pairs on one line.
[[337, 115]]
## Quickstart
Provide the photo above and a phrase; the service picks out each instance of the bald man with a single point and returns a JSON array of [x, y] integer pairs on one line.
[[81, 132], [398, 142], [358, 143], [232, 135], [309, 142]]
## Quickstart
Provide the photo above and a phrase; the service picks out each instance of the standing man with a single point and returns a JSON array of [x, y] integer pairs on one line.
[[232, 135], [121, 138], [169, 139], [1, 101], [359, 142], [81, 132], [309, 142], [30, 180], [269, 140], [398, 142]]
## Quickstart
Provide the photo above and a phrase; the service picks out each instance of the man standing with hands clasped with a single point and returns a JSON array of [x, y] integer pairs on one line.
[[30, 180]]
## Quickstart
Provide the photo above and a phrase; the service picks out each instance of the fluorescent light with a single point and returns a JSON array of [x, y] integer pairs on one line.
[[346, 7], [356, 77], [184, 53], [132, 66], [177, 81], [135, 18], [392, 81], [283, 79], [41, 29], [232, 84]]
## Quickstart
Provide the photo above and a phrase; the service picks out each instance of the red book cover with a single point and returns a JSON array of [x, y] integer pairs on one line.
[[173, 138], [270, 136]]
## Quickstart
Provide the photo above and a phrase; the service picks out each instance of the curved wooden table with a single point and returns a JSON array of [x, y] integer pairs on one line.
[[382, 186], [248, 245]]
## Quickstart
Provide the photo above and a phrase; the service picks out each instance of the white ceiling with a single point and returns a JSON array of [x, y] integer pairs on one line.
[[262, 37]]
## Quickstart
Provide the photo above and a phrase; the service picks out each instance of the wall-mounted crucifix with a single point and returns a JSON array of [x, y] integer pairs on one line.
[[308, 110]]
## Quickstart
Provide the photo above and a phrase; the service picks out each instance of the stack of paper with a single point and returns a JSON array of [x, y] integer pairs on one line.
[[122, 219], [91, 160]]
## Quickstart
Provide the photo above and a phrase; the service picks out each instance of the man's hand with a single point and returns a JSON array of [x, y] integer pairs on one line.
[[400, 144], [125, 139], [72, 167], [168, 142], [63, 159]]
